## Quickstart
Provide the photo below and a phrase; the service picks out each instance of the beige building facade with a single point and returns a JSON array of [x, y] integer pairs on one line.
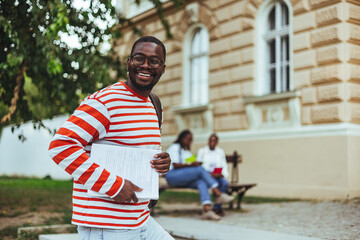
[[279, 82]]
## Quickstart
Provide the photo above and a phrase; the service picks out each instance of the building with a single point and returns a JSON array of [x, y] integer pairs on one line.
[[277, 80]]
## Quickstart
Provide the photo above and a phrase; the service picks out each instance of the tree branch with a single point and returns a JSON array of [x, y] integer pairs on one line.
[[19, 81]]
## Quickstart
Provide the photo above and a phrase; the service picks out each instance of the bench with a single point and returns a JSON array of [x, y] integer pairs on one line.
[[234, 185]]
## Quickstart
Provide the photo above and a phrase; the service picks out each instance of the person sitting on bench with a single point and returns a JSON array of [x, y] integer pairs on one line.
[[186, 172], [213, 160]]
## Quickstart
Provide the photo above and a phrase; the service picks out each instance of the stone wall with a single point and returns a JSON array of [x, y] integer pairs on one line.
[[315, 155], [326, 38], [326, 58]]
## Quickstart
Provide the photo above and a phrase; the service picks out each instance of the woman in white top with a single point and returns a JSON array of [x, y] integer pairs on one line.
[[213, 159], [191, 174]]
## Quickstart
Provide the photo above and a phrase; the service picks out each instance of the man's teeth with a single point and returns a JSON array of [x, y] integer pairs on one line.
[[144, 74]]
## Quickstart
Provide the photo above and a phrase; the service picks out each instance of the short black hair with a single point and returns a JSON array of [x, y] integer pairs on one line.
[[215, 136], [150, 39]]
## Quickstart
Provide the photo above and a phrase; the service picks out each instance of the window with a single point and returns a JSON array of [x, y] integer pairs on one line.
[[197, 61], [131, 9], [274, 40]]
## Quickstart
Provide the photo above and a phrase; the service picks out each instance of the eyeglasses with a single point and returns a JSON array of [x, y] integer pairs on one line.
[[139, 59]]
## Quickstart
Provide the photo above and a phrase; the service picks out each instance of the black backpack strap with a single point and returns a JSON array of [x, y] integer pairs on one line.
[[157, 104]]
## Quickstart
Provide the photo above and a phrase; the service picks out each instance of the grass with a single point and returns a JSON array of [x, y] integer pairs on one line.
[[33, 194], [170, 196], [9, 232], [19, 196], [258, 200]]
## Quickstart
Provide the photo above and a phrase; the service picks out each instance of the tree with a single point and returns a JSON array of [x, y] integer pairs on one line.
[[41, 76]]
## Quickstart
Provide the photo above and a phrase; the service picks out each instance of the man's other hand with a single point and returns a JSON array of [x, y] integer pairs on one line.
[[162, 163], [127, 193]]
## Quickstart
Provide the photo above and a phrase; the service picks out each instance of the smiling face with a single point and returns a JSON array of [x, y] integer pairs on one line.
[[143, 78], [186, 141], [212, 142]]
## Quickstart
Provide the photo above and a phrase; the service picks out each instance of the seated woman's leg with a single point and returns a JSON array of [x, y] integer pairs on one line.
[[185, 176], [202, 187], [205, 175], [181, 177]]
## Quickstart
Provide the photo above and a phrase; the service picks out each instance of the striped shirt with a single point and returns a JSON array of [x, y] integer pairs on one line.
[[114, 115]]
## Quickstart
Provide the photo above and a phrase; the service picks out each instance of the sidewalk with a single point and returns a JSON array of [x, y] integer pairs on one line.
[[208, 230], [188, 228], [304, 220]]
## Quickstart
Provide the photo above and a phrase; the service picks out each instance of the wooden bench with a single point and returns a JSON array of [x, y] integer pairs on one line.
[[234, 185]]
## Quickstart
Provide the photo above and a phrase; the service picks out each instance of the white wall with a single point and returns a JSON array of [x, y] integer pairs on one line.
[[30, 158]]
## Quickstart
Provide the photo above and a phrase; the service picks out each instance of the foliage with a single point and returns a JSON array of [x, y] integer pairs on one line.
[[40, 74]]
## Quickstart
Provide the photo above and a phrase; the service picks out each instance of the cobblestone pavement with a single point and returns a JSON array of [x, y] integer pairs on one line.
[[325, 220]]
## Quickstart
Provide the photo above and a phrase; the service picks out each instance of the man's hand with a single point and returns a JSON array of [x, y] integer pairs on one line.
[[161, 165], [217, 175], [127, 193]]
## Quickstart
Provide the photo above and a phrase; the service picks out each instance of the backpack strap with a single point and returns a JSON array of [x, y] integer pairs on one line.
[[157, 104]]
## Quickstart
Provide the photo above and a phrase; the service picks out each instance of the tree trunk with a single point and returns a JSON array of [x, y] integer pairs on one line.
[[19, 81]]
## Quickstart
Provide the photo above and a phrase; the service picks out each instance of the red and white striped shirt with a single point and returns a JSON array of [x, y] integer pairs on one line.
[[114, 115]]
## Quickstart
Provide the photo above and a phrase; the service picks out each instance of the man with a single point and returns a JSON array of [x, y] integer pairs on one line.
[[213, 160], [121, 114]]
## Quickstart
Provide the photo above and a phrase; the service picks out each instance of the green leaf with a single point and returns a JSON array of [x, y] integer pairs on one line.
[[30, 37], [54, 67], [14, 60]]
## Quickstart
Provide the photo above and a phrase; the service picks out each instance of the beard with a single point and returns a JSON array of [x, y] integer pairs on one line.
[[148, 87], [140, 87]]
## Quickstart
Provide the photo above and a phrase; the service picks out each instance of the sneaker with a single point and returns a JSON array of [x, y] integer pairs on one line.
[[219, 211], [211, 215], [224, 198]]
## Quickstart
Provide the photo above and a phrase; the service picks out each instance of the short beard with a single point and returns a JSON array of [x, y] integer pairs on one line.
[[143, 88]]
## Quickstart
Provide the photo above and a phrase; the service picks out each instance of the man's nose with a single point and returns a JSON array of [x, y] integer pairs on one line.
[[146, 63]]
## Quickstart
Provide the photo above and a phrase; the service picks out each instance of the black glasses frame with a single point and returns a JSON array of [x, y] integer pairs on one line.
[[149, 60]]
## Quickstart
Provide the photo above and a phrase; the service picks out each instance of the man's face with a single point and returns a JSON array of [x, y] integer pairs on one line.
[[212, 142], [144, 77]]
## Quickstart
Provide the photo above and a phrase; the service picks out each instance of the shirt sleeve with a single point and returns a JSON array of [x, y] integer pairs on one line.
[[200, 155], [225, 170], [174, 152], [89, 122]]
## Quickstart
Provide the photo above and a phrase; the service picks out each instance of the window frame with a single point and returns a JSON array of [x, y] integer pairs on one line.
[[131, 9], [263, 35], [188, 57]]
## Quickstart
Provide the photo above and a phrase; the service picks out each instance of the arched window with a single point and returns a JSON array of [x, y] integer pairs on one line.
[[196, 70], [274, 71]]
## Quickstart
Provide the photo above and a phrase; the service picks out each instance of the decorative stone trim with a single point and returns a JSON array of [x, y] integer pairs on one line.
[[274, 110], [198, 118]]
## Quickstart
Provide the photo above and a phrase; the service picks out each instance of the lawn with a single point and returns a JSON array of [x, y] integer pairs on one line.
[[28, 202], [34, 202]]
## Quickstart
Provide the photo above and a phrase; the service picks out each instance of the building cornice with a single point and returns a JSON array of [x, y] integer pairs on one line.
[[323, 130]]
